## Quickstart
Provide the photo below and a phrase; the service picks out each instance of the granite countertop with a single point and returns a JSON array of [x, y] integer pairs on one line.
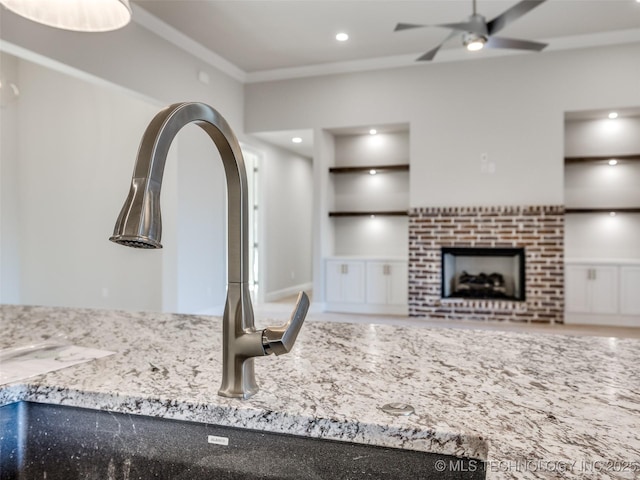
[[531, 405]]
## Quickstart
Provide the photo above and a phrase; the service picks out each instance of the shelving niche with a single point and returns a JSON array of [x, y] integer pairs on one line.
[[609, 204], [366, 270], [602, 203]]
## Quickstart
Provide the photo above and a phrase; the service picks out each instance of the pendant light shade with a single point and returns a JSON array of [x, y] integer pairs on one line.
[[77, 15]]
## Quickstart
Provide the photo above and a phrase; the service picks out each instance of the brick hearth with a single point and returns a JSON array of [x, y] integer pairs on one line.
[[539, 229]]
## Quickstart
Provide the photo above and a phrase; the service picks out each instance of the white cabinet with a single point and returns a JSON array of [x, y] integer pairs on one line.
[[603, 293], [591, 289], [345, 281], [376, 286], [630, 290], [386, 283]]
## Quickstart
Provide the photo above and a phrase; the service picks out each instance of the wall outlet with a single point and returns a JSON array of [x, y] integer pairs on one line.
[[487, 167], [484, 163]]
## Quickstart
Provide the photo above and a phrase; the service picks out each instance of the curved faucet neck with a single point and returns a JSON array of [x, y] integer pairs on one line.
[[138, 225], [152, 156]]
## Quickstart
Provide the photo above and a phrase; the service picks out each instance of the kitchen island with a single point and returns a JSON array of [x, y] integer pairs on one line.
[[531, 406]]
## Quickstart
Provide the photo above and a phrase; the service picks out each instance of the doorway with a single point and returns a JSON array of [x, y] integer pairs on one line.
[[253, 160]]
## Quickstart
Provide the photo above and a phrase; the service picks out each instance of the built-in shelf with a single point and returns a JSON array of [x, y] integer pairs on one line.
[[392, 213], [602, 210], [378, 168], [600, 158]]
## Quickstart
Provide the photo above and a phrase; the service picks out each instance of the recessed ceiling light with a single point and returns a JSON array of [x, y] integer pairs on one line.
[[373, 131], [372, 172], [613, 115], [613, 162], [342, 37], [296, 140], [612, 214]]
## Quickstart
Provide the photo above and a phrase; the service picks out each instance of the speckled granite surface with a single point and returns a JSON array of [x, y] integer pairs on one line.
[[534, 406]]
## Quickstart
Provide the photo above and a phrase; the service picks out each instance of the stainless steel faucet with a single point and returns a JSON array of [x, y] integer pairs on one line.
[[139, 225]]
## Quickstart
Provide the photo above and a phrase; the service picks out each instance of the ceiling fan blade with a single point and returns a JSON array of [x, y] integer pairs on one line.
[[432, 53], [462, 26], [429, 55], [502, 42], [407, 26], [512, 14]]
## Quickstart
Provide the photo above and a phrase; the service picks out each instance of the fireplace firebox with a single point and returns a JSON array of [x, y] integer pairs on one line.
[[483, 273]]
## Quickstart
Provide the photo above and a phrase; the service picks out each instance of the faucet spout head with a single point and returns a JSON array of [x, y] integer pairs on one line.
[[139, 224]]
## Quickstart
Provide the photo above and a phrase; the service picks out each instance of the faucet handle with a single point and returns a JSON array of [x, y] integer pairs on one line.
[[280, 340]]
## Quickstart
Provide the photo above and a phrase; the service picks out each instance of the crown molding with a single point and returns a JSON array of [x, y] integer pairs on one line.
[[174, 36], [179, 39], [447, 55]]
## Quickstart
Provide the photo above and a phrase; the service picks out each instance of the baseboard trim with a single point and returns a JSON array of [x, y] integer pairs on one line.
[[216, 310], [287, 292], [367, 308], [602, 319]]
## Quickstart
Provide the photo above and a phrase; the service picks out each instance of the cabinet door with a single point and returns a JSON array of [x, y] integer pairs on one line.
[[333, 281], [630, 290], [353, 282], [344, 281], [377, 283], [398, 283], [603, 289], [577, 278], [387, 283]]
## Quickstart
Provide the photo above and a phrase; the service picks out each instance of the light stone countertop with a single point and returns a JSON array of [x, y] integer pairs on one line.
[[529, 404]]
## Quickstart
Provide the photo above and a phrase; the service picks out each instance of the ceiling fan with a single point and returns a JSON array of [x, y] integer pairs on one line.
[[477, 33]]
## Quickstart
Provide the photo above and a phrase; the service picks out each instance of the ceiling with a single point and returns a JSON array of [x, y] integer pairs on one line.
[[268, 39], [260, 40]]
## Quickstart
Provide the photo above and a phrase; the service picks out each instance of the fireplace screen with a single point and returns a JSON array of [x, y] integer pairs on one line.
[[483, 273]]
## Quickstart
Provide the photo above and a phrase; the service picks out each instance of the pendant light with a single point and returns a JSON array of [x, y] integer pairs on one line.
[[77, 15]]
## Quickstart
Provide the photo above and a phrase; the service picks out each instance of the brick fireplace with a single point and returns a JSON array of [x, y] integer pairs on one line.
[[537, 229]]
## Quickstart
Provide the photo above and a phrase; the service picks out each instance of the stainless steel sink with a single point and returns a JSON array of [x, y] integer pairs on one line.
[[67, 443]]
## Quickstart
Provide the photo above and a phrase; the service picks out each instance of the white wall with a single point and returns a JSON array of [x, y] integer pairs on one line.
[[87, 137], [323, 193], [142, 65], [364, 192], [511, 108], [146, 66], [599, 185], [373, 237], [286, 181], [9, 207], [76, 150], [602, 137], [600, 236], [201, 224], [382, 149]]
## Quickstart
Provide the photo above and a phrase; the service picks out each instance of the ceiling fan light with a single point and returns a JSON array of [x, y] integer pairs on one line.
[[473, 42], [76, 15]]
